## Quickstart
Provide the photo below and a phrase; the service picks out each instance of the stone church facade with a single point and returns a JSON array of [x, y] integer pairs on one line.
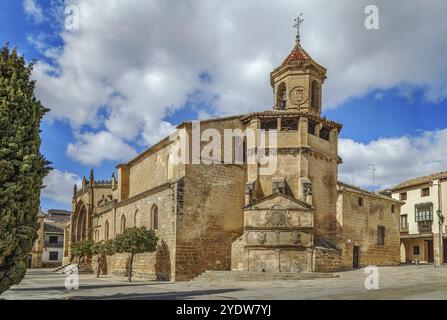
[[229, 216]]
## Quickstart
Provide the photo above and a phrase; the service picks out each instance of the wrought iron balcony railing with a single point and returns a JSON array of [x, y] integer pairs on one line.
[[425, 226], [58, 244]]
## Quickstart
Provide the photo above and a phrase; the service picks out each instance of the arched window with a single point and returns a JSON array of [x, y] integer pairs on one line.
[[281, 97], [106, 230], [123, 223], [315, 95], [154, 217]]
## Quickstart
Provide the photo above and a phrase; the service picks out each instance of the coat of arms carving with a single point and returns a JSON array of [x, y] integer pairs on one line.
[[298, 95]]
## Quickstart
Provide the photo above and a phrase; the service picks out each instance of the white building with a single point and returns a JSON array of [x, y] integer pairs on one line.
[[423, 234], [53, 250], [48, 249]]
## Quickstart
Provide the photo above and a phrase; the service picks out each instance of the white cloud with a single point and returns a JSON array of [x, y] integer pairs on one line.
[[395, 159], [143, 59], [33, 10], [59, 185], [93, 148], [39, 43]]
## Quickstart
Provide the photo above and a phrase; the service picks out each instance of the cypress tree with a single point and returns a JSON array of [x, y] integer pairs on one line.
[[22, 167]]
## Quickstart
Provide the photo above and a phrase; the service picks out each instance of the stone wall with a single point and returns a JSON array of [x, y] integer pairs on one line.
[[327, 260], [358, 226], [210, 218], [37, 250], [238, 255], [323, 174], [136, 211], [148, 172]]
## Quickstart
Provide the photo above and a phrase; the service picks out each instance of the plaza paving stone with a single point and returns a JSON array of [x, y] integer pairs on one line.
[[403, 282]]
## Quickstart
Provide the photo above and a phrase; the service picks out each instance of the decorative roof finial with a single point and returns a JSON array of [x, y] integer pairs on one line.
[[92, 178], [298, 21], [75, 190]]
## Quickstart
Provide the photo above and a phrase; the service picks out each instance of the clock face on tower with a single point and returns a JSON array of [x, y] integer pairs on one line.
[[298, 95]]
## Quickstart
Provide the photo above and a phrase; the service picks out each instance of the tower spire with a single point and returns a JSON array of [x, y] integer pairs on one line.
[[92, 178], [298, 21]]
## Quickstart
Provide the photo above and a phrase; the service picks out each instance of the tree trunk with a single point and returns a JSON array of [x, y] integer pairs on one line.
[[130, 267], [99, 266]]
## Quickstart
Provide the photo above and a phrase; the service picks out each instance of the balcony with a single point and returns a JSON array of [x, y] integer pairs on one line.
[[404, 227], [53, 244], [425, 226]]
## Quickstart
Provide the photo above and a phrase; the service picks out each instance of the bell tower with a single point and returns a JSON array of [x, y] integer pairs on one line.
[[297, 82]]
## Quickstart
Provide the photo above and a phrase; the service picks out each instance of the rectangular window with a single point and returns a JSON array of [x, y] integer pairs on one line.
[[416, 250], [424, 212], [289, 124], [403, 196], [324, 133], [381, 235], [404, 222], [361, 202], [53, 240], [269, 124], [54, 255], [425, 192], [311, 127]]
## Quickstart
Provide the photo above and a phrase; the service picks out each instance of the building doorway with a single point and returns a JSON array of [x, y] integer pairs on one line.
[[356, 257], [429, 254]]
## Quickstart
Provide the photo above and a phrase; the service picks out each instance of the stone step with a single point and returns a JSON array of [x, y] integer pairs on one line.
[[61, 268], [224, 275]]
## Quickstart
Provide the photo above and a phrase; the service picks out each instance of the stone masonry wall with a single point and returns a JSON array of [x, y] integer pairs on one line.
[[358, 226], [210, 220], [323, 174], [159, 265], [327, 260]]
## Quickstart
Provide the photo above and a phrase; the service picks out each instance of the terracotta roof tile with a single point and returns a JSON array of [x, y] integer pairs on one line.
[[420, 180], [297, 54]]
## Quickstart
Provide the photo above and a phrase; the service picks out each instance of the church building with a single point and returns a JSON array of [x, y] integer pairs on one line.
[[230, 216]]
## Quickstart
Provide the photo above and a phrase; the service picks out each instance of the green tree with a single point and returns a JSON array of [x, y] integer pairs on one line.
[[101, 250], [134, 241], [22, 167], [85, 249], [74, 251], [81, 249]]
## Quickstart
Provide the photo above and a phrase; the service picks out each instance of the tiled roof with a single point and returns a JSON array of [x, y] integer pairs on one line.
[[49, 227], [275, 113], [420, 180], [373, 194], [60, 212], [297, 54]]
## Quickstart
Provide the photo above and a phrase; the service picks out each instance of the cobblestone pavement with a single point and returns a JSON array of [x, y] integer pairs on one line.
[[404, 282]]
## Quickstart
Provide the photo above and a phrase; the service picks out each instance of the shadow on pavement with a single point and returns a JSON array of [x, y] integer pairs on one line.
[[157, 296], [81, 287]]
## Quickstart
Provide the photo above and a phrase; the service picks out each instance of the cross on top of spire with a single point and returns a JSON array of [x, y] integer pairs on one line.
[[298, 21]]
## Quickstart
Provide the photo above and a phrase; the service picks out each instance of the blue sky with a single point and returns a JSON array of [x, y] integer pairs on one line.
[[389, 122]]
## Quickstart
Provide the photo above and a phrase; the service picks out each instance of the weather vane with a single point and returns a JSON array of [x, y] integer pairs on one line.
[[298, 21]]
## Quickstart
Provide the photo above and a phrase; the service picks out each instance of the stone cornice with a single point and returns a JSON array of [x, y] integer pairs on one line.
[[290, 114]]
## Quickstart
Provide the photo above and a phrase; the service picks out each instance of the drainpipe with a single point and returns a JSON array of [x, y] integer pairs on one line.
[[440, 222]]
